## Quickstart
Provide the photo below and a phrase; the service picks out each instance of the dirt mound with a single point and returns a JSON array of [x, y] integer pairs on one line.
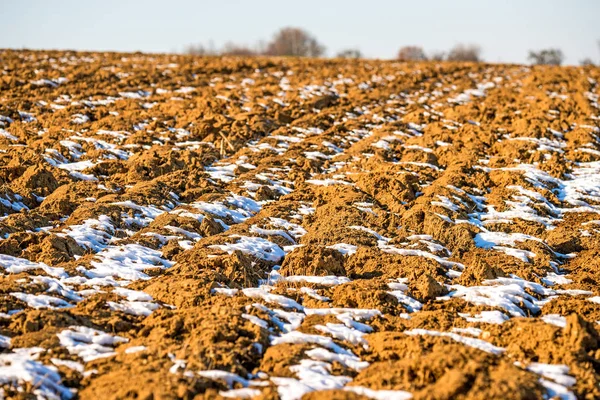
[[36, 180], [440, 370], [313, 260]]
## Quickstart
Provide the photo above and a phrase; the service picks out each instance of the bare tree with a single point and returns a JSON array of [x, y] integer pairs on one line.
[[546, 57], [587, 62], [232, 49], [437, 56], [294, 42], [197, 50], [463, 52], [201, 50], [350, 53], [411, 53]]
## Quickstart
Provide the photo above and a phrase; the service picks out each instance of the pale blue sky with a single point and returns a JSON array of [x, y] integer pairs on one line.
[[505, 30]]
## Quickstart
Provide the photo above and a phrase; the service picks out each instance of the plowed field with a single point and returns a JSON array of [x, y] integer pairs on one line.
[[177, 227]]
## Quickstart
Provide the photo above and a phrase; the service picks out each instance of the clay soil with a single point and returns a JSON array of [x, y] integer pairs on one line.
[[238, 215]]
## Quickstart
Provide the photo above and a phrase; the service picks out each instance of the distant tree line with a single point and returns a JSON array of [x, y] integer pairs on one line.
[[288, 41], [546, 57], [297, 42], [460, 52], [553, 56], [589, 61]]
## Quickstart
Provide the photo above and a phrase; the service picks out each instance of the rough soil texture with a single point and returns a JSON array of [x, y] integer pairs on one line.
[[178, 227]]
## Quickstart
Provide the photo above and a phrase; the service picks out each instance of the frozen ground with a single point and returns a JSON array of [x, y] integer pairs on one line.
[[250, 228]]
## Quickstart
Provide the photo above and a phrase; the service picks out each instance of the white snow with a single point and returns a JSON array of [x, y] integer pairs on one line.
[[258, 293], [21, 365], [16, 265], [89, 343], [555, 319], [468, 341], [328, 280], [342, 332], [255, 246], [344, 248]]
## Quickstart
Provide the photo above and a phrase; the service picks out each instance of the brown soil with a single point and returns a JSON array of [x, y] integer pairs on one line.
[[370, 171]]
